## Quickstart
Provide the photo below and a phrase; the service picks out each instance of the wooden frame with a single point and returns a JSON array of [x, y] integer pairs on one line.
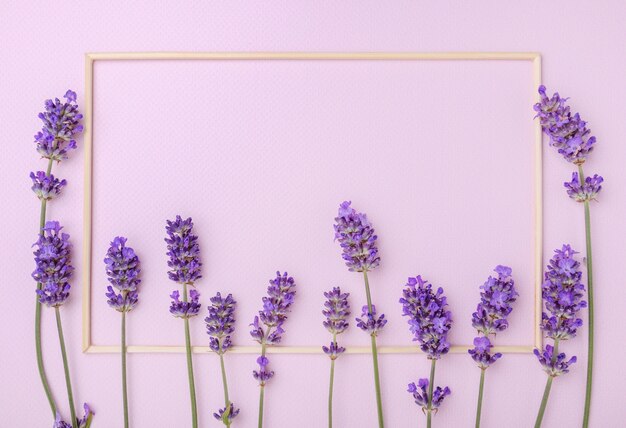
[[90, 58]]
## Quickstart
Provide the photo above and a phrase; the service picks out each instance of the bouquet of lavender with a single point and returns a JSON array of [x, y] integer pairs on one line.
[[267, 327], [54, 270], [570, 136], [220, 324], [429, 321], [496, 297], [122, 268], [184, 263], [562, 294], [61, 123], [336, 310], [357, 239]]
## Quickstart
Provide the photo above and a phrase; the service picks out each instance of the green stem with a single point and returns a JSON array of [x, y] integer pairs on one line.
[[430, 393], [225, 385], [38, 349], [124, 389], [192, 385], [330, 386], [68, 382], [262, 391], [546, 391], [590, 307], [379, 403], [479, 406]]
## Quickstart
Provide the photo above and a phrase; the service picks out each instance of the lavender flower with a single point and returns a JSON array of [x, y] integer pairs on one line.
[[122, 268], [220, 323], [333, 350], [53, 265], [46, 187], [185, 310], [429, 321], [586, 191], [568, 132], [183, 251], [336, 310], [232, 413], [420, 395], [263, 374], [562, 293], [85, 422], [481, 352], [356, 238], [61, 122], [369, 322], [554, 366], [496, 298]]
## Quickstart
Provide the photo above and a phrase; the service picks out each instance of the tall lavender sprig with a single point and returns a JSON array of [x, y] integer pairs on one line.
[[54, 270], [357, 239], [61, 125], [267, 327], [220, 324], [336, 310], [496, 298], [184, 263], [562, 294], [122, 269], [429, 321], [570, 135]]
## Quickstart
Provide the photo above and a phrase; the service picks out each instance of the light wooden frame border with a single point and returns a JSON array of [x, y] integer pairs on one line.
[[90, 58]]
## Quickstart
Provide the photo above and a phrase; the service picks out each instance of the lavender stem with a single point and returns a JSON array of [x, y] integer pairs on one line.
[[379, 404], [546, 392], [225, 385], [68, 382], [480, 397], [192, 386], [262, 391], [124, 389], [430, 392]]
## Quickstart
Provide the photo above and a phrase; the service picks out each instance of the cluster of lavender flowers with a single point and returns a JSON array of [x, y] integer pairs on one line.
[[429, 320], [184, 263], [267, 327], [369, 322], [122, 268], [586, 191], [420, 394], [85, 422], [496, 298], [46, 187], [61, 121], [53, 265], [336, 310], [357, 239], [562, 293]]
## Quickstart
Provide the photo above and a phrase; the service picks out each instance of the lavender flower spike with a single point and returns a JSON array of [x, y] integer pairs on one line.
[[420, 395], [496, 297], [553, 365], [267, 328], [481, 353], [61, 122], [220, 324], [369, 322], [185, 310], [53, 265], [122, 268], [586, 191], [46, 187], [357, 239]]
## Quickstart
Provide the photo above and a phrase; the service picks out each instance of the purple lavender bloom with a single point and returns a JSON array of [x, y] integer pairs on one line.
[[232, 413], [46, 187], [568, 132], [82, 423], [336, 310], [220, 323], [429, 321], [333, 350], [357, 239], [53, 265], [122, 268], [59, 423], [369, 322], [276, 307], [554, 368], [562, 293], [420, 394], [481, 352], [182, 309], [586, 191], [496, 297], [183, 251], [263, 374], [61, 122]]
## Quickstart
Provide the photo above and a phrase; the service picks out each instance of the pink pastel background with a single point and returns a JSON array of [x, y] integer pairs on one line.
[[439, 154]]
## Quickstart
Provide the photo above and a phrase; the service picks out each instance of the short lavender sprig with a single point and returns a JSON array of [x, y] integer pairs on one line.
[[84, 422], [336, 310], [220, 324], [267, 327], [570, 135], [185, 268], [430, 322], [562, 294], [357, 240], [122, 269]]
